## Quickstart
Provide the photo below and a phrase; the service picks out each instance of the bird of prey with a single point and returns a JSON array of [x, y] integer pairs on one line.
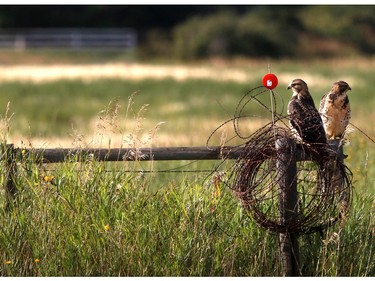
[[305, 119], [335, 110]]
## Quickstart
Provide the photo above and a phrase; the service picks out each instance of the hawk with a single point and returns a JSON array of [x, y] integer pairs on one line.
[[335, 110], [304, 117]]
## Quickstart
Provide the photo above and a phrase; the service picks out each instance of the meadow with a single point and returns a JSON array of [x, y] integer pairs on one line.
[[127, 219]]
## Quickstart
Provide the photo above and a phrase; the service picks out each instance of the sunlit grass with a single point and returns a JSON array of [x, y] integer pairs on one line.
[[53, 109]]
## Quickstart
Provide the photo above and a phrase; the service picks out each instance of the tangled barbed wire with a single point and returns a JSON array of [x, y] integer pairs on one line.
[[284, 184]]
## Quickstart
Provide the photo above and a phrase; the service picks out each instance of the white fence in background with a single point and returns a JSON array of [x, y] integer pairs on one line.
[[62, 38]]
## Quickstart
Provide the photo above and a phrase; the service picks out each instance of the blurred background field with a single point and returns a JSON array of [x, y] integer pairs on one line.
[[51, 102], [185, 77]]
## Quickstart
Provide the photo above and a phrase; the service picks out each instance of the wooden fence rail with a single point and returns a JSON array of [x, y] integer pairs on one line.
[[139, 154], [57, 155]]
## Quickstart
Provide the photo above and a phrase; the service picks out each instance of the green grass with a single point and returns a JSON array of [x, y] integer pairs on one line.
[[180, 227], [164, 224], [53, 108], [50, 109], [176, 229]]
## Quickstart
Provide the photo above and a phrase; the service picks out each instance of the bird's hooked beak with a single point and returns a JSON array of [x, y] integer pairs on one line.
[[289, 86], [349, 88]]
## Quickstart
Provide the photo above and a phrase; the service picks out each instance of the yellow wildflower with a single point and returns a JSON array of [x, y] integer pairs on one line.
[[23, 151], [106, 227], [48, 178], [37, 260], [8, 262]]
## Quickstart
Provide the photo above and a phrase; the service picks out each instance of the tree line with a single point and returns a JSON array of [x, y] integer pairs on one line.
[[201, 31]]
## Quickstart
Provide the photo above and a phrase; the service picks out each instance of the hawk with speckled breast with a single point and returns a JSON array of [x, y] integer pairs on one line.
[[305, 119], [335, 110]]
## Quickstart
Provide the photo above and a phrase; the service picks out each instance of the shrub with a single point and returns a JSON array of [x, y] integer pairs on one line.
[[346, 24], [261, 32], [200, 37], [264, 32]]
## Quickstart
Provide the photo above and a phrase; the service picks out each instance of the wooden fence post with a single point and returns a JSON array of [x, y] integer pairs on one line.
[[287, 181], [10, 173]]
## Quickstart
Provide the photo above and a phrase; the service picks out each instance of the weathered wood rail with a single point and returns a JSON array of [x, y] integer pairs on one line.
[[57, 155], [139, 154]]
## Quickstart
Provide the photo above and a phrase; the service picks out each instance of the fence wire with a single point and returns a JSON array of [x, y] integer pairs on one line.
[[323, 180]]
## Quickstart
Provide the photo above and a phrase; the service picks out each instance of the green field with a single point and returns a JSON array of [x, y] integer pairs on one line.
[[101, 219]]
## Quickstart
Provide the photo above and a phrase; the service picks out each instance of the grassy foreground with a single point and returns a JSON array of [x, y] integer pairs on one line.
[[93, 219], [99, 219]]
